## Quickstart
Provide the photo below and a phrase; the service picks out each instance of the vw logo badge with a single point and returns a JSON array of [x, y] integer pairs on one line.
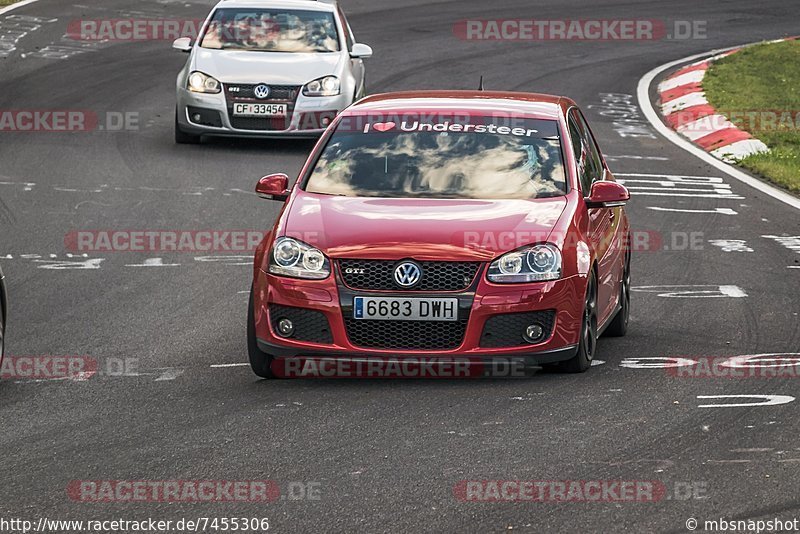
[[407, 274], [261, 91]]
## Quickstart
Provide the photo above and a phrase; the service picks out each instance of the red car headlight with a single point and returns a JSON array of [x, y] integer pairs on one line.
[[293, 258], [530, 264]]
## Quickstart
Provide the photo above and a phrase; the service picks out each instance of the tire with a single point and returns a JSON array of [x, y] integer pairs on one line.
[[619, 324], [587, 346], [183, 138], [260, 362]]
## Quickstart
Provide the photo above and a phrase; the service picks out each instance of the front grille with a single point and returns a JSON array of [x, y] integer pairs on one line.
[[378, 275], [281, 94], [405, 335], [309, 325], [245, 92], [506, 330]]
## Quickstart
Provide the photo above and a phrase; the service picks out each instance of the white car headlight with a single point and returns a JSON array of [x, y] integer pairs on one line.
[[530, 264], [203, 83], [294, 258], [327, 86]]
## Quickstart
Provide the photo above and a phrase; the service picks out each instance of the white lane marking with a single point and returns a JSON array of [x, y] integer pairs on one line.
[[768, 400], [153, 262], [793, 267], [695, 76], [731, 245], [228, 260], [694, 291], [221, 365], [790, 242], [93, 263], [655, 362], [5, 10], [26, 186], [676, 185], [649, 158], [688, 195], [780, 360], [597, 362], [624, 114], [169, 374], [14, 28], [723, 211], [643, 96]]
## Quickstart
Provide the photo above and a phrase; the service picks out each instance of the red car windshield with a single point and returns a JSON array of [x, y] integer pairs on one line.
[[471, 157]]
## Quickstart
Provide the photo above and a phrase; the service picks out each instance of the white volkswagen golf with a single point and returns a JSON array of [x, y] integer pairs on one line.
[[268, 68]]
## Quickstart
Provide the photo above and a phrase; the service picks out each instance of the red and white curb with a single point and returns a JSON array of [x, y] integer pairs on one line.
[[687, 111]]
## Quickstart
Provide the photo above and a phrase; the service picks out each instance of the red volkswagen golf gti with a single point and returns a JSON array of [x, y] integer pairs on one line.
[[440, 224]]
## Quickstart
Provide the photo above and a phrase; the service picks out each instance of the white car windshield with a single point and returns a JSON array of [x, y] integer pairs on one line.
[[271, 30]]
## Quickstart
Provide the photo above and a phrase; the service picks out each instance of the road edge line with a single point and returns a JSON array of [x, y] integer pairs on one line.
[[12, 7], [643, 96]]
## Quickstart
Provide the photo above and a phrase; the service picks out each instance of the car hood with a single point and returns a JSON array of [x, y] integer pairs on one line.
[[278, 68], [425, 229]]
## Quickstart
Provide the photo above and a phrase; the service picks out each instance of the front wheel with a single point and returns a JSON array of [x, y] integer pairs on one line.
[[588, 343], [260, 362], [183, 138]]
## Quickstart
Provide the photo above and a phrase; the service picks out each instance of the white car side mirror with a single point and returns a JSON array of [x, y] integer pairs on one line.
[[184, 44], [361, 51]]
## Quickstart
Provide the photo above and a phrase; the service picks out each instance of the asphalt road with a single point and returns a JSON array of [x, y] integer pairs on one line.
[[384, 455]]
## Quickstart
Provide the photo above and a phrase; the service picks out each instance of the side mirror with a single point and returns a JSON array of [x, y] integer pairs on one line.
[[273, 187], [361, 51], [184, 44], [607, 195]]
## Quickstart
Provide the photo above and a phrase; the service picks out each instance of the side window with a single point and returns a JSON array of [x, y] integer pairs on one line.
[[348, 33], [581, 152], [594, 153]]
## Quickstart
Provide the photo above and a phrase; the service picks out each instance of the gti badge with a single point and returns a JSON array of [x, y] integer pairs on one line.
[[407, 274], [261, 91]]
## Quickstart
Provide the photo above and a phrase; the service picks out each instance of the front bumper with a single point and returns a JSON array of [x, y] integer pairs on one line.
[[305, 120], [480, 303]]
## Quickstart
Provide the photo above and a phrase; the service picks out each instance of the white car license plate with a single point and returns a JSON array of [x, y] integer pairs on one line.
[[405, 309], [260, 110]]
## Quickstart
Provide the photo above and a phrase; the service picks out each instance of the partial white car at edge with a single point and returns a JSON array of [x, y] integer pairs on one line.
[[268, 68]]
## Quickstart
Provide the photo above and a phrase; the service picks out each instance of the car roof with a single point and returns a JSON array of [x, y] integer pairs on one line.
[[540, 105], [313, 5]]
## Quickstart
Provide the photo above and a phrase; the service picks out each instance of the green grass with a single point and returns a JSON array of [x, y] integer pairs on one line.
[[7, 2], [764, 79]]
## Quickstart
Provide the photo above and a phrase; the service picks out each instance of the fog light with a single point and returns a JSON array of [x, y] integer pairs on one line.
[[534, 333], [196, 117], [285, 327]]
